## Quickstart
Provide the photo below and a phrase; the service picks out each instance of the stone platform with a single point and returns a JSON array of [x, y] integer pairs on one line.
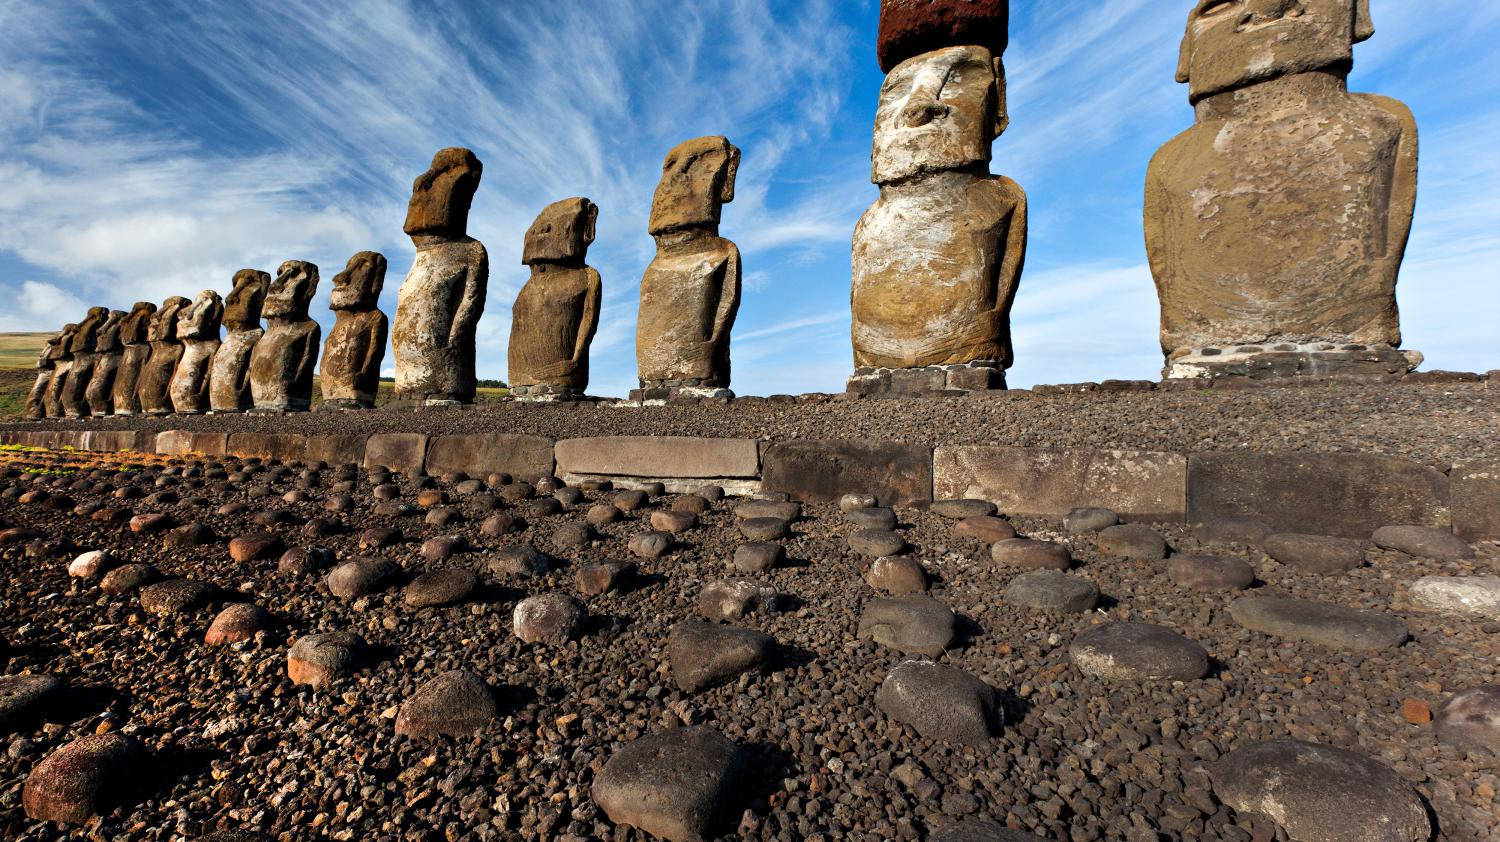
[[1292, 360]]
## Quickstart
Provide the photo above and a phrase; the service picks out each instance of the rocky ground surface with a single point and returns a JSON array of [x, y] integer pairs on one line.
[[230, 743], [1439, 423]]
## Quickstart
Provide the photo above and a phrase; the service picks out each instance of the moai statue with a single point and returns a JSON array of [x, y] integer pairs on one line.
[[166, 351], [36, 401], [938, 258], [691, 292], [350, 375], [135, 334], [282, 365], [62, 363], [198, 328], [439, 304], [1275, 226], [101, 390], [85, 354], [229, 383], [557, 312]]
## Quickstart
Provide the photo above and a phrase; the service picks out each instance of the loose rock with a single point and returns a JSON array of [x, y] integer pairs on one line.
[[941, 702], [1031, 555], [83, 779], [549, 618], [1328, 625], [1083, 521], [704, 655], [456, 703], [437, 588], [733, 599], [914, 625], [1132, 541], [1210, 573], [1138, 652], [897, 576], [675, 784], [318, 660], [238, 623], [1053, 591], [1423, 542]]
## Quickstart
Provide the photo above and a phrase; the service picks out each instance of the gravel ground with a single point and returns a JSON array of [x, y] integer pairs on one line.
[[237, 746], [1437, 424]]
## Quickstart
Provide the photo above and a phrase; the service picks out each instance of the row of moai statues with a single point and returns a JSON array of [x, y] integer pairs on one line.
[[1275, 229]]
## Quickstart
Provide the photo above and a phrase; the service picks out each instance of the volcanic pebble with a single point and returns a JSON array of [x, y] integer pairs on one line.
[[872, 518], [651, 545], [963, 509], [22, 695], [1471, 720], [673, 522], [1473, 596], [518, 560], [733, 599], [1333, 626], [1423, 542], [877, 543], [986, 529], [763, 528], [1085, 520], [128, 578], [362, 577], [596, 579], [1132, 541], [253, 547], [1232, 531]]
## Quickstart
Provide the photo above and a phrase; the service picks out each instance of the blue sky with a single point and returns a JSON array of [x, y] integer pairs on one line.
[[152, 148]]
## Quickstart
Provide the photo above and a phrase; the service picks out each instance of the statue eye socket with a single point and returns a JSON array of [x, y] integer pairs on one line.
[[1210, 8]]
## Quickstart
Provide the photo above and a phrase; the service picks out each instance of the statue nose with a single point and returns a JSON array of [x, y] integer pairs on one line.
[[921, 113], [1266, 11]]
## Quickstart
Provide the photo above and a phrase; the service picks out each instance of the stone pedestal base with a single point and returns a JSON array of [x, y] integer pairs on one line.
[[656, 393], [343, 406], [951, 380], [1273, 362], [276, 410], [429, 403], [545, 393]]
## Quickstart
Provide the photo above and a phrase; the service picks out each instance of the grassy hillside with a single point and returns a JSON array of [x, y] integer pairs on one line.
[[20, 350]]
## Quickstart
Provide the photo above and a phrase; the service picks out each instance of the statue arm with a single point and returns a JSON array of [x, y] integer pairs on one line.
[[1157, 210], [309, 362], [588, 325], [729, 297], [1404, 179], [471, 302], [375, 350]]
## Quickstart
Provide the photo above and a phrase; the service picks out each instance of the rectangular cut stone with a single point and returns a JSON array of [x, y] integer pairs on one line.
[[1475, 490], [896, 473], [524, 457], [660, 456], [336, 450], [174, 442], [283, 447], [1041, 482], [1348, 495], [113, 441], [404, 453]]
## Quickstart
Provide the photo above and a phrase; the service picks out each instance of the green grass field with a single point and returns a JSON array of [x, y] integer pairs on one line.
[[20, 350]]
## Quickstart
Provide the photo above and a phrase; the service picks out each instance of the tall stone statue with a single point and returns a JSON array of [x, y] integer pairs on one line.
[[198, 328], [229, 383], [166, 351], [85, 354], [355, 348], [557, 312], [938, 258], [691, 292], [135, 334], [1275, 226], [62, 363], [46, 362], [282, 365], [110, 351], [439, 304]]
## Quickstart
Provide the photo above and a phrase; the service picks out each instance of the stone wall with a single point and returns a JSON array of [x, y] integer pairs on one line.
[[1345, 494]]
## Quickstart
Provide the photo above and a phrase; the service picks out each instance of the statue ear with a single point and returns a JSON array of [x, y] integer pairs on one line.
[[1002, 108], [1185, 56], [731, 171], [590, 221], [1364, 25]]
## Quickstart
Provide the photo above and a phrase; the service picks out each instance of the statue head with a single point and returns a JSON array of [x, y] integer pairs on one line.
[[1233, 43], [109, 332], [164, 323], [441, 197], [136, 328], [57, 346], [358, 286], [201, 320], [938, 111], [242, 307], [909, 28], [85, 339], [562, 233], [696, 181], [292, 291]]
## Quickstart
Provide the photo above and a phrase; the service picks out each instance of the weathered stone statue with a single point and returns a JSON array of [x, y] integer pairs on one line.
[[691, 292], [62, 363], [110, 351], [938, 258], [355, 348], [166, 352], [229, 384], [135, 334], [198, 328], [557, 312], [1276, 225], [36, 401], [83, 348], [439, 304], [282, 365]]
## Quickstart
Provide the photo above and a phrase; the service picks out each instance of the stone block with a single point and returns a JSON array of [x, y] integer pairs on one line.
[[1475, 494], [897, 474], [976, 379], [285, 447], [1342, 494], [405, 453], [174, 442], [336, 450], [1040, 482], [114, 441], [523, 457], [918, 381], [660, 456]]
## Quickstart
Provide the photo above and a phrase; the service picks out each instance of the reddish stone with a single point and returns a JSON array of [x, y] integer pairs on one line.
[[1416, 712], [82, 779], [237, 623], [912, 27]]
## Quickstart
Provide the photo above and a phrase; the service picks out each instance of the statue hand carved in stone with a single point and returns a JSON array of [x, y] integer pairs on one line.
[[1281, 217], [101, 389], [440, 302], [355, 348], [198, 328], [557, 312], [690, 294], [229, 383], [134, 338], [284, 360]]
